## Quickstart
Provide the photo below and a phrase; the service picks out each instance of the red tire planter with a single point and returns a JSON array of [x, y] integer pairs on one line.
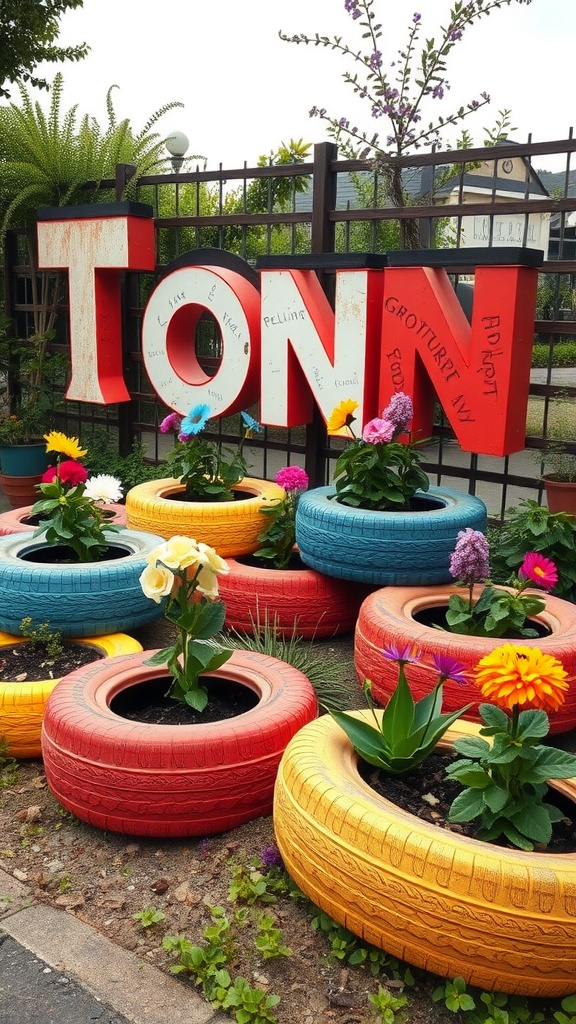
[[302, 601], [163, 780], [15, 521], [387, 617]]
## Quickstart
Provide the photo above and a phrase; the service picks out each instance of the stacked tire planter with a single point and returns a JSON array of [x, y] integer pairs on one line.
[[18, 520], [385, 548], [78, 599], [161, 780], [388, 617], [22, 704], [504, 920], [231, 527]]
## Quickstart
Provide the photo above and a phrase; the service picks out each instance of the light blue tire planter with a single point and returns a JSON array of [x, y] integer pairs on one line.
[[79, 599], [385, 548]]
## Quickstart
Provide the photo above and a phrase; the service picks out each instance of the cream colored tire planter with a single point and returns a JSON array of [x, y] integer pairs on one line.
[[300, 601], [231, 527], [22, 704], [386, 618], [504, 920], [16, 520], [170, 780]]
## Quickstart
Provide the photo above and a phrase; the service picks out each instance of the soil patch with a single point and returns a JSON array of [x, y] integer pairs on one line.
[[150, 702], [27, 662]]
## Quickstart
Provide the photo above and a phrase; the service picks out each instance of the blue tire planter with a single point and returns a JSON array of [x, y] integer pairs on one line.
[[79, 599], [385, 548]]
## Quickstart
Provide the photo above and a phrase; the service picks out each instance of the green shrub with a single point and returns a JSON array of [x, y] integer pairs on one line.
[[532, 527]]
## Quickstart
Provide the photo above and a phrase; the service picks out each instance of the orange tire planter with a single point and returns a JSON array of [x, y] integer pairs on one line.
[[231, 527], [386, 617], [22, 705], [164, 780], [16, 520], [504, 920], [300, 601]]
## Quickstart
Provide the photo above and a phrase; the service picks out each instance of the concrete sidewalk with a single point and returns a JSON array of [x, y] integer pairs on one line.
[[54, 967]]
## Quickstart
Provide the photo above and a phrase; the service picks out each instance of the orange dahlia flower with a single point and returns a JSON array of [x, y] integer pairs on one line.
[[514, 674]]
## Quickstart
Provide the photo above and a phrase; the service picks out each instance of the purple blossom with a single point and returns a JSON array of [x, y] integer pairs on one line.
[[377, 110], [437, 92], [469, 562], [271, 857], [170, 422], [449, 668], [404, 655], [455, 34], [399, 411], [416, 18], [343, 122], [375, 60]]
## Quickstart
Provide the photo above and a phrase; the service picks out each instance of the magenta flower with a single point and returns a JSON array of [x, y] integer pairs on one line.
[[378, 431], [170, 422], [404, 655], [449, 668], [399, 411], [69, 472], [292, 478], [539, 569], [469, 561]]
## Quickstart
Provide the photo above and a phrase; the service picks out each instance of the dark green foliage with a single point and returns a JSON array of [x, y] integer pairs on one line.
[[103, 457], [28, 33], [563, 354], [379, 476], [532, 527]]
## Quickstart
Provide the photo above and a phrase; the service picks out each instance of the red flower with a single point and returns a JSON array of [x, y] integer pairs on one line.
[[69, 472], [539, 569]]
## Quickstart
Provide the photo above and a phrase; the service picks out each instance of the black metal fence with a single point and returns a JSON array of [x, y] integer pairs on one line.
[[340, 206]]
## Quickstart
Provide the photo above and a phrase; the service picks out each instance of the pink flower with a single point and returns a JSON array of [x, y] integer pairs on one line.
[[292, 478], [170, 422], [378, 431], [539, 569], [69, 472], [469, 562]]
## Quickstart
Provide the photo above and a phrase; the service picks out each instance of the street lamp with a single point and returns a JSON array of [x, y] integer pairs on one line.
[[177, 144]]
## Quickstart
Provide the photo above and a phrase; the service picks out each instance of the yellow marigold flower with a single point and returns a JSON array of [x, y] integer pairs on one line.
[[341, 416], [521, 675], [69, 446]]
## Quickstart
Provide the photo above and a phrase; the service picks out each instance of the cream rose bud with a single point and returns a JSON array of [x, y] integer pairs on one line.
[[208, 556], [157, 582], [178, 552], [207, 583]]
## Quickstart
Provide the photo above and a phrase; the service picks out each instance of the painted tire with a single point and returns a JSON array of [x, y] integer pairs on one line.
[[387, 617], [81, 599], [14, 521], [22, 704], [231, 527], [297, 600], [162, 780], [502, 919], [384, 547]]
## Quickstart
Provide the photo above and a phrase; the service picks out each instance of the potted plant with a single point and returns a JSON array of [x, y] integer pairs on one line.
[[560, 479], [467, 620], [500, 917], [76, 571], [272, 585], [208, 497], [182, 741], [381, 522]]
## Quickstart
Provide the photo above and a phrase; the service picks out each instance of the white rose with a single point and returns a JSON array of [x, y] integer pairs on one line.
[[157, 582]]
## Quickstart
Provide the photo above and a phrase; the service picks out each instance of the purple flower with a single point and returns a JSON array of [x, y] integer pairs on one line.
[[271, 857], [378, 431], [416, 18], [449, 668], [455, 34], [469, 562], [170, 422], [404, 655], [399, 411], [437, 92], [292, 478], [375, 60]]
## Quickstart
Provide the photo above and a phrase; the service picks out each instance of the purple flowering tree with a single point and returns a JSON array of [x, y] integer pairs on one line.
[[397, 91]]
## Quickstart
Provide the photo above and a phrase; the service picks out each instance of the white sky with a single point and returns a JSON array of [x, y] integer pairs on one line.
[[245, 90]]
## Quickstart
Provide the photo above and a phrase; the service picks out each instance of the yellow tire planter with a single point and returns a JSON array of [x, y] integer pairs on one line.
[[502, 919], [231, 527], [22, 704]]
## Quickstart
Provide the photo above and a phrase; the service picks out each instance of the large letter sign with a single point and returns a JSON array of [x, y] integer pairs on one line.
[[480, 371], [400, 328], [93, 243]]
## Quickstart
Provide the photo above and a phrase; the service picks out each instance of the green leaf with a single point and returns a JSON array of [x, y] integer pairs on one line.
[[197, 698], [472, 746], [365, 739], [533, 821], [553, 764], [533, 724], [399, 712], [162, 657], [494, 717], [466, 806]]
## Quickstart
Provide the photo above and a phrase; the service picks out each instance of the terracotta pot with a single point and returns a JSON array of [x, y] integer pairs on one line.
[[22, 704], [20, 490], [231, 527], [164, 780], [302, 601], [560, 495], [502, 919], [388, 616]]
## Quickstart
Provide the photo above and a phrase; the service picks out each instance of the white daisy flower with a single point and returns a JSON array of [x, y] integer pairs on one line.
[[103, 487]]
